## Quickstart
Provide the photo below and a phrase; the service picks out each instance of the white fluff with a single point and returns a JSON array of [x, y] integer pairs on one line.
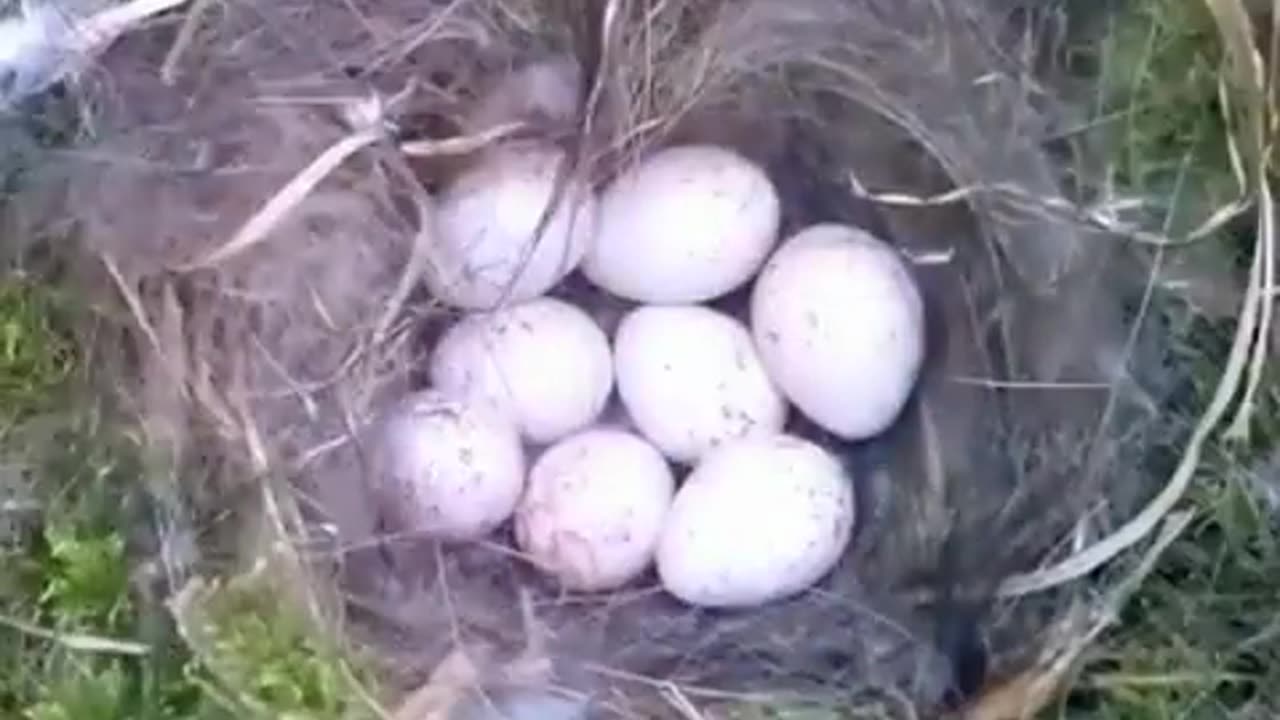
[[36, 51], [50, 42], [549, 90]]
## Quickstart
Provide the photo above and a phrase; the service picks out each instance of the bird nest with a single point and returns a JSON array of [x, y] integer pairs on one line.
[[250, 204]]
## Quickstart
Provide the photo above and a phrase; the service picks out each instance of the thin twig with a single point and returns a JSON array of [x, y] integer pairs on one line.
[[1025, 695], [689, 690], [77, 641], [134, 303], [169, 69], [1101, 217], [98, 31], [1239, 427], [1108, 681], [419, 256], [1237, 33], [994, 384], [681, 702], [461, 145], [289, 197]]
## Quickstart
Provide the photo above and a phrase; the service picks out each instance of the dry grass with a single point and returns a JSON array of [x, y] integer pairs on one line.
[[1191, 98]]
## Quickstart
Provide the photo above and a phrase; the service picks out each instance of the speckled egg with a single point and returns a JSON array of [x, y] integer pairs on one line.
[[487, 249], [758, 520], [839, 325], [544, 363], [594, 507], [449, 468], [685, 225], [690, 379]]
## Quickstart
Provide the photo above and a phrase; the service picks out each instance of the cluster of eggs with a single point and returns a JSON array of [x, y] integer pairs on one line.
[[701, 479]]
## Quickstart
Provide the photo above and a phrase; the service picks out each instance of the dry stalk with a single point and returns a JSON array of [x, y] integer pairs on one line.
[[259, 226], [1028, 694]]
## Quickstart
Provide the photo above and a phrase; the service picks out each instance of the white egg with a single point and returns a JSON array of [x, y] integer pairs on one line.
[[449, 468], [544, 363], [839, 324], [485, 249], [594, 507], [690, 379], [688, 224], [758, 520]]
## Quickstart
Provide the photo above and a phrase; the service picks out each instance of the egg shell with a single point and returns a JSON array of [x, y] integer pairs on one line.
[[544, 363], [839, 324], [759, 520], [449, 468], [690, 379], [593, 509], [485, 252], [685, 225]]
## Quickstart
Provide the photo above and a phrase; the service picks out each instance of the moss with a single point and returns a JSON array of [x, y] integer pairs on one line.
[[35, 358], [73, 617]]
